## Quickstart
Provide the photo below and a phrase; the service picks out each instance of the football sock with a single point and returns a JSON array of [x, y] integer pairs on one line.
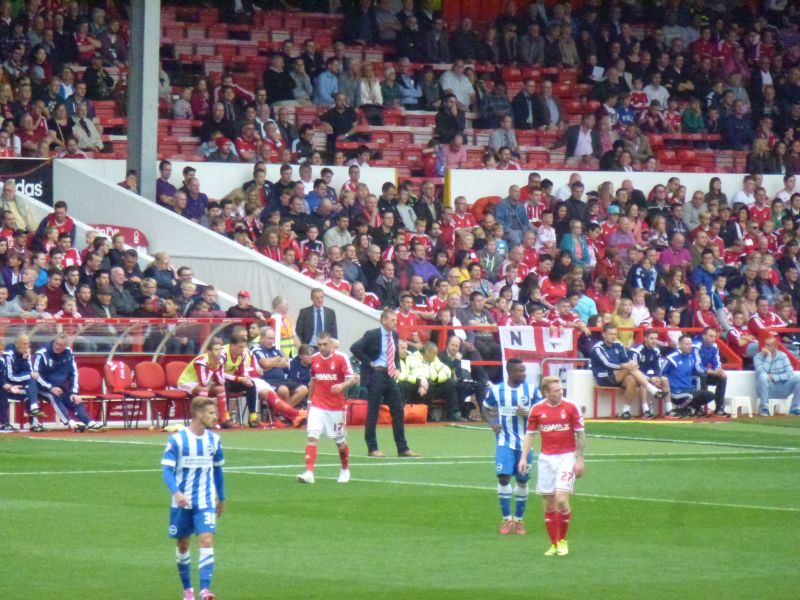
[[551, 524], [222, 408], [652, 389], [668, 407], [311, 457], [645, 407], [521, 500], [564, 526], [206, 567], [344, 456], [626, 408], [281, 407], [504, 493], [184, 568]]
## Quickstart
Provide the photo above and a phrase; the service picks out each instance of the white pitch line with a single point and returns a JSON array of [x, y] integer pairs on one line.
[[88, 472], [694, 442], [597, 496]]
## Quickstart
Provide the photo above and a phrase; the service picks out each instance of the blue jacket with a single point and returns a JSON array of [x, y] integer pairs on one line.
[[648, 359], [702, 277], [299, 372], [568, 244], [260, 352], [607, 359], [56, 370], [16, 369], [513, 217], [708, 356], [779, 366], [679, 370]]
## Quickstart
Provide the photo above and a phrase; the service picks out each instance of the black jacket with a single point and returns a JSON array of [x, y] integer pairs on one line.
[[305, 323], [368, 349]]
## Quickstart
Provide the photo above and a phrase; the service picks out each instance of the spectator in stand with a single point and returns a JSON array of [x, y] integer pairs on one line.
[[278, 82], [512, 215], [504, 136], [88, 135], [450, 120], [196, 201], [548, 112], [737, 131], [327, 83], [582, 143], [775, 377], [455, 82], [244, 310], [122, 294], [524, 106], [360, 25], [341, 121]]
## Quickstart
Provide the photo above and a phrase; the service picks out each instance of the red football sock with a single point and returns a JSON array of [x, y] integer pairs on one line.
[[344, 456], [564, 523], [311, 457], [551, 524], [222, 408], [281, 407]]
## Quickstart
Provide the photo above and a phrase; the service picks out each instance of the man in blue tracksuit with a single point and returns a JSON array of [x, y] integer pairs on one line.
[[708, 355], [18, 385], [648, 357], [56, 376], [612, 367], [681, 367]]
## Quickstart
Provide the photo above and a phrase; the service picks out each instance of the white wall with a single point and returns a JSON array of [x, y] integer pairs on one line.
[[219, 179], [40, 210], [474, 183], [212, 257]]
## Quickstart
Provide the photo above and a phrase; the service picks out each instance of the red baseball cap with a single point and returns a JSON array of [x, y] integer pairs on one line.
[[243, 294]]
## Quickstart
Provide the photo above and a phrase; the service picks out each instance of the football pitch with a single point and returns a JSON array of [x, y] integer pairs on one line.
[[665, 510]]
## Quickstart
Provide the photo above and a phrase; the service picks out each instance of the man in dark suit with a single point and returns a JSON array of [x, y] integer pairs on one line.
[[315, 319], [380, 366], [582, 142], [523, 106]]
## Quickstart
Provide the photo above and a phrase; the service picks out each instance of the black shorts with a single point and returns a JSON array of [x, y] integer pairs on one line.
[[604, 381], [290, 384]]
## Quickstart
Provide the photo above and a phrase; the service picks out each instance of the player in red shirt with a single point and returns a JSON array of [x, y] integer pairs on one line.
[[331, 375], [561, 460]]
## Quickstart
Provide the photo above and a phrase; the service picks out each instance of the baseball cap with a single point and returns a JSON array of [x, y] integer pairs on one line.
[[613, 209], [243, 294], [221, 141]]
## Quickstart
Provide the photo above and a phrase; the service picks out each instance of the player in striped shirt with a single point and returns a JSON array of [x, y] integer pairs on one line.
[[506, 409], [192, 465]]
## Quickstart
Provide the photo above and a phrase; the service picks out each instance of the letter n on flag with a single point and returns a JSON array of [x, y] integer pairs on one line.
[[533, 344]]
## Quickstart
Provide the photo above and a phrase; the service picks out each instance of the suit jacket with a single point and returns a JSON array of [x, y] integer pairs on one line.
[[305, 323], [519, 111], [541, 112], [570, 140], [368, 349]]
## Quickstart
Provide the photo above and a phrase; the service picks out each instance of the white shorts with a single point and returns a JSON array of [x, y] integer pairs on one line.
[[329, 423], [556, 473], [187, 387]]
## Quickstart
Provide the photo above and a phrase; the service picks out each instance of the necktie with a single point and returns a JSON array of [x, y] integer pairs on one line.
[[390, 368], [318, 326]]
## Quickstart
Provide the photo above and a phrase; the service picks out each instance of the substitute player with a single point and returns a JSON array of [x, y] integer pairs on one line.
[[331, 375], [205, 375], [561, 460], [193, 473], [506, 409]]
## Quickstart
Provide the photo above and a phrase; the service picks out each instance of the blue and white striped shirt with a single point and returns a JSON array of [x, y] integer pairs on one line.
[[506, 400], [194, 459]]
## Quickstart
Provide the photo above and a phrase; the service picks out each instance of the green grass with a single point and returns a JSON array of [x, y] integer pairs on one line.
[[664, 511]]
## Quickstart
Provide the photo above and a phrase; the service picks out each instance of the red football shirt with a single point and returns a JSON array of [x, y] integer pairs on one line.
[[327, 372], [557, 424]]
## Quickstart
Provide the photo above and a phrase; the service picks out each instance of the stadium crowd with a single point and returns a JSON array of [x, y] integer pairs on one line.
[[718, 68]]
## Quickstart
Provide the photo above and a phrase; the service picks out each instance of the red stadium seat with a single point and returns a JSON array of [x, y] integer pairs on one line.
[[119, 378], [150, 376]]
